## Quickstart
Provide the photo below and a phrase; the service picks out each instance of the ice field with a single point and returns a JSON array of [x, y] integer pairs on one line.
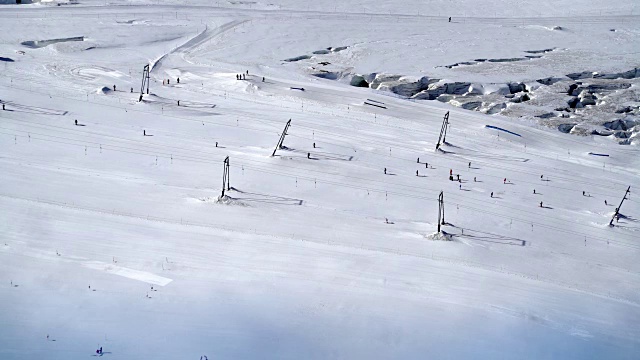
[[114, 234]]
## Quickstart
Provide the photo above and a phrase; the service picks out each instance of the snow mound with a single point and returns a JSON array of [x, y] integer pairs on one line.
[[443, 236]]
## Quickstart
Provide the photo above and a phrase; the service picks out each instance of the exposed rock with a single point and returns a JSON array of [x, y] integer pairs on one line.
[[516, 87], [575, 103], [358, 81], [549, 80], [566, 128], [547, 115], [620, 124]]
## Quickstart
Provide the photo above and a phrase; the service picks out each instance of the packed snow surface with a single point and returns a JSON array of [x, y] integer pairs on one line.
[[114, 231]]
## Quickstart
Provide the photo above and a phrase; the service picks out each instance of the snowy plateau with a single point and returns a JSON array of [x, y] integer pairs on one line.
[[226, 179]]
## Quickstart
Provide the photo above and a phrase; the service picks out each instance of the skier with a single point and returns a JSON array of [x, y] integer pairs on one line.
[[314, 145], [76, 122], [474, 179], [244, 77], [247, 72], [605, 202], [540, 203], [534, 191], [100, 350], [2, 106], [178, 80], [263, 79], [167, 81], [144, 132], [449, 18], [504, 181], [417, 173], [418, 161], [458, 175], [178, 102], [426, 165], [237, 77], [582, 192], [541, 177], [132, 90], [460, 187], [450, 172], [492, 194], [114, 88], [469, 164], [385, 171], [216, 144], [308, 155]]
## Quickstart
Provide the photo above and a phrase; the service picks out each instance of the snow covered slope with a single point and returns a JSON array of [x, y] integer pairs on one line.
[[113, 233]]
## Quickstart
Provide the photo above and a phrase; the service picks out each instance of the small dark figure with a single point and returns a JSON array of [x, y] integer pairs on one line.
[[492, 194], [76, 122], [314, 145], [460, 187], [132, 90], [458, 175], [418, 161], [244, 77], [469, 164], [263, 79], [140, 98], [385, 171], [605, 202], [2, 106], [247, 72], [534, 191], [582, 192], [114, 88], [450, 177], [417, 173], [449, 18], [100, 349], [541, 177], [237, 77], [450, 172], [504, 181], [167, 81], [144, 132], [178, 80], [216, 144], [308, 155], [540, 203], [474, 179], [178, 102]]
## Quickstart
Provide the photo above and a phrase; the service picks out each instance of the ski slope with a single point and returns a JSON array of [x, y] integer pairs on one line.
[[113, 233]]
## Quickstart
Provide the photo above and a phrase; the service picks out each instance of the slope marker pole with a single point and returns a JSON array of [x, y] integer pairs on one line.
[[440, 210]]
